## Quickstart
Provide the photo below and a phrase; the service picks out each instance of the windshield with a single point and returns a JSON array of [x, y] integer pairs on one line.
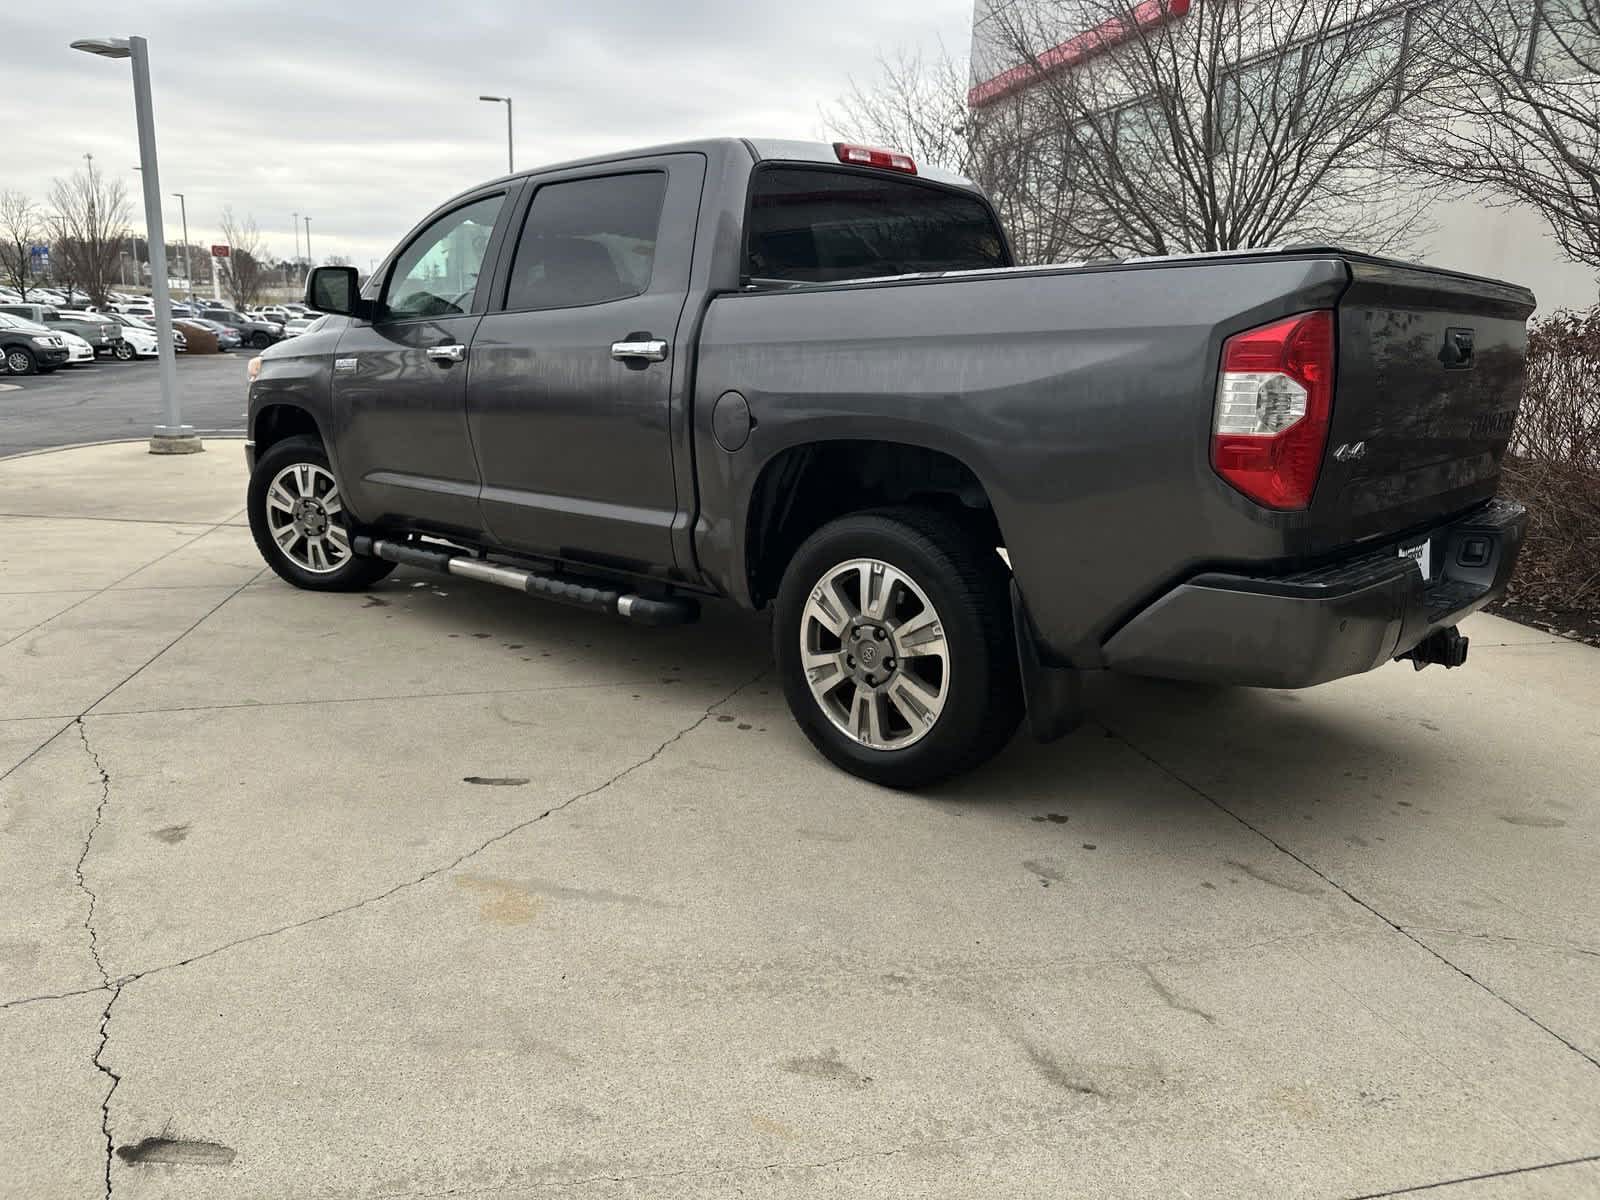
[[7, 321], [817, 225]]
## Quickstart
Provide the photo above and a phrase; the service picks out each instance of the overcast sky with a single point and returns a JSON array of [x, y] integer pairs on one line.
[[364, 114]]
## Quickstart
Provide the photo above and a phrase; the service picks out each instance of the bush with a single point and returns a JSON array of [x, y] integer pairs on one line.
[[1553, 467]]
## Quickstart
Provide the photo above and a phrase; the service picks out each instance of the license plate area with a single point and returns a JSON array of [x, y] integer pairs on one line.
[[1421, 555]]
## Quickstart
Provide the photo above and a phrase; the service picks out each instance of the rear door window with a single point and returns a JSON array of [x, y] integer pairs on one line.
[[587, 241], [810, 225]]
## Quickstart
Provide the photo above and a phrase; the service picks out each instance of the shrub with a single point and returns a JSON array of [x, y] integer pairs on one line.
[[1553, 465]]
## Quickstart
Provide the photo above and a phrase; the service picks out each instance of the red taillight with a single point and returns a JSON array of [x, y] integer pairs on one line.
[[1274, 400], [866, 156]]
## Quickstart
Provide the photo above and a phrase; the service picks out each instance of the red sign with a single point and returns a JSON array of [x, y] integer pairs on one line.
[[1074, 50], [219, 252]]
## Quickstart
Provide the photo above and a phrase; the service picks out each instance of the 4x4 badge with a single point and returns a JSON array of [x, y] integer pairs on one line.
[[1350, 452]]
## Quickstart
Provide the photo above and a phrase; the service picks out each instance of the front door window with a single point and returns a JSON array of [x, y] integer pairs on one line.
[[437, 274]]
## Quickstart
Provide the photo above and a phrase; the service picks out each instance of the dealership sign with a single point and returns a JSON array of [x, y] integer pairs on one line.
[[1074, 50], [220, 252]]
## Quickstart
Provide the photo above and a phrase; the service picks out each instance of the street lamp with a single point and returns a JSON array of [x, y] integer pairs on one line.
[[506, 100], [188, 272], [294, 221], [171, 437], [310, 262]]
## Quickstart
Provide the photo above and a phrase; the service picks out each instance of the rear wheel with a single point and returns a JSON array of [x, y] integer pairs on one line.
[[893, 638], [298, 518], [20, 361]]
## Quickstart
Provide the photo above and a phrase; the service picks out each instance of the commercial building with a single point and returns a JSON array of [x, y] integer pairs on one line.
[[1511, 242]]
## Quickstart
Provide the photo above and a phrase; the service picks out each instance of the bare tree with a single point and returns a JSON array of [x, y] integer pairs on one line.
[[247, 272], [88, 224], [1197, 127], [19, 230], [918, 104], [1518, 116]]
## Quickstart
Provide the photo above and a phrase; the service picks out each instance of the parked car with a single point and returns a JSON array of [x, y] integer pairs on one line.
[[259, 334], [295, 326], [276, 313], [78, 350], [1270, 468], [142, 336], [27, 349], [208, 337], [99, 331]]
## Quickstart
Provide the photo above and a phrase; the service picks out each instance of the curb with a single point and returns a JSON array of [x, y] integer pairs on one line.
[[219, 437]]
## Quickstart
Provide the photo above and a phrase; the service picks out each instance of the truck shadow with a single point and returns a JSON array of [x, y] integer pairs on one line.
[[1165, 746]]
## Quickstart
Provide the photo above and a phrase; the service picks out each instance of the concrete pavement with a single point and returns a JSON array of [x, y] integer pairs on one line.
[[438, 891]]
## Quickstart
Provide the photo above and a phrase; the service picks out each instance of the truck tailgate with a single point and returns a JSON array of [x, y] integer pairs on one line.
[[1429, 379]]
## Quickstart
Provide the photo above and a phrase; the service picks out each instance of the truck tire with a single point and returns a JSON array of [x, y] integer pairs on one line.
[[300, 524], [893, 637]]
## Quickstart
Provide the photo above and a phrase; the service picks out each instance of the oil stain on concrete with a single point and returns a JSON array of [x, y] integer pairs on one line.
[[501, 902], [175, 1151]]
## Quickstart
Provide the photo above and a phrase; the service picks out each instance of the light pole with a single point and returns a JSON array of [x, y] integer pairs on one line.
[[188, 272], [310, 262], [294, 219], [172, 436], [510, 157]]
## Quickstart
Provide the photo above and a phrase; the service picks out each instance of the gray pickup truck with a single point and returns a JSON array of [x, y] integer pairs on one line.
[[811, 377]]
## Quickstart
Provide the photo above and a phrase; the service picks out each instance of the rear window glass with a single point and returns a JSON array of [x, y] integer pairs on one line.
[[817, 226]]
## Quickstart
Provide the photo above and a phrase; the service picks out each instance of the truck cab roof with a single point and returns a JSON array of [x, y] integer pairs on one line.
[[759, 150]]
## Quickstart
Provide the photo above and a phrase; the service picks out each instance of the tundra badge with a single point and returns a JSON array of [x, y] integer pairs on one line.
[[344, 364]]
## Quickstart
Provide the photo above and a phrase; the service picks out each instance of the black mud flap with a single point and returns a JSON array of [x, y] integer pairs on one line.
[[1054, 695]]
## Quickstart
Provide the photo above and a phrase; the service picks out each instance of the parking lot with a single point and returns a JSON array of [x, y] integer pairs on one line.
[[438, 891], [109, 399]]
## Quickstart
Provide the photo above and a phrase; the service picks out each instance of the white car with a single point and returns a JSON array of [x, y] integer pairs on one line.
[[139, 343], [140, 335], [295, 326], [82, 352]]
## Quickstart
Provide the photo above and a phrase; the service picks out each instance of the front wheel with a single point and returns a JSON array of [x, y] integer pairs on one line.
[[20, 361], [299, 522], [894, 644], [260, 341], [123, 351]]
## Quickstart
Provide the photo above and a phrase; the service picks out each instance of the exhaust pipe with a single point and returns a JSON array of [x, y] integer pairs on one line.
[[563, 589], [1443, 646]]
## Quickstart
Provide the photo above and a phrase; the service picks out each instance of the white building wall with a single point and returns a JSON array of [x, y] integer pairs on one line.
[[1506, 242]]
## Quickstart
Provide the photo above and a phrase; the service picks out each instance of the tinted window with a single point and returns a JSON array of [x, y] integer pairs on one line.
[[437, 273], [820, 225], [587, 241]]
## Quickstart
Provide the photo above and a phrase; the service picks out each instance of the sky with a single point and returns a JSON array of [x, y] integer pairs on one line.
[[365, 114]]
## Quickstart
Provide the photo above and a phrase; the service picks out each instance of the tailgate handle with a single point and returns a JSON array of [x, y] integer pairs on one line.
[[1456, 355]]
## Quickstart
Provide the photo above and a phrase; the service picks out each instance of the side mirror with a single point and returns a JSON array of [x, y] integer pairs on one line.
[[335, 290]]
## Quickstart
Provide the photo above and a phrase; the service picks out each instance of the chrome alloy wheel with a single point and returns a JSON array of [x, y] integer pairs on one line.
[[302, 502], [874, 653]]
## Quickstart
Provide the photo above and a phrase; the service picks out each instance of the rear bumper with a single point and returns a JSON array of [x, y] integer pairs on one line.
[[1293, 631]]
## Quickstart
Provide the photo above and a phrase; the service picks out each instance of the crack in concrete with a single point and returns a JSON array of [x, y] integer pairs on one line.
[[1426, 1187], [1478, 935], [1331, 882], [94, 947], [458, 860]]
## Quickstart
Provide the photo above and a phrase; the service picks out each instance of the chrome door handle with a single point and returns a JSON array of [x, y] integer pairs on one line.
[[447, 354], [653, 350]]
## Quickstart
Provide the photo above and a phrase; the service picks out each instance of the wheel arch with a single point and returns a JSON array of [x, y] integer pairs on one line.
[[804, 486], [275, 422]]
